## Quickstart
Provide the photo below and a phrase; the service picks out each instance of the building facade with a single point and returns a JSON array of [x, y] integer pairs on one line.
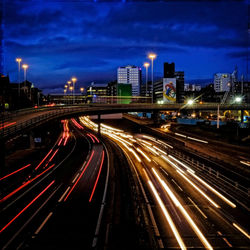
[[130, 75], [222, 82], [171, 88]]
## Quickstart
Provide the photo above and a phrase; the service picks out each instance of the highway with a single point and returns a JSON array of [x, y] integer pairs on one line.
[[118, 190], [68, 180], [186, 208]]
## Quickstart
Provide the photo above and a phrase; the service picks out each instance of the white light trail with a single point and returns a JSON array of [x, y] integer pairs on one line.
[[213, 190], [140, 151], [199, 190], [167, 216], [183, 211]]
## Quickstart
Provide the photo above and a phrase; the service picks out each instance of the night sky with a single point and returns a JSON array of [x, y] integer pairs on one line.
[[89, 40]]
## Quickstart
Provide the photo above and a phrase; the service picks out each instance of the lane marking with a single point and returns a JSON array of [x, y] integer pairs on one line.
[[42, 225], [198, 208], [176, 184], [224, 239], [75, 178], [164, 171], [64, 194]]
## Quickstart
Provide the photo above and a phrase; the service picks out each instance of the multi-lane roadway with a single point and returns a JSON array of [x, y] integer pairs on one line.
[[151, 197]]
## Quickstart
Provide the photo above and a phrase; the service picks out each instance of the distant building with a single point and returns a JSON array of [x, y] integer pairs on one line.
[[171, 88], [192, 87], [222, 82], [124, 93], [97, 93], [186, 87], [112, 88], [169, 70], [10, 98], [179, 75], [130, 75]]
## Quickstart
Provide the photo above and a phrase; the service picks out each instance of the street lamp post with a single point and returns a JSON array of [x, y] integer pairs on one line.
[[71, 89], [82, 89], [18, 60], [25, 66], [73, 79], [146, 65], [152, 57]]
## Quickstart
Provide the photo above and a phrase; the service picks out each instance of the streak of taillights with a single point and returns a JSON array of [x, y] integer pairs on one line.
[[7, 125], [95, 137], [66, 139], [80, 175], [99, 172], [59, 143], [76, 124], [6, 176], [53, 155], [11, 221], [183, 211], [167, 216], [43, 159], [25, 184], [93, 140]]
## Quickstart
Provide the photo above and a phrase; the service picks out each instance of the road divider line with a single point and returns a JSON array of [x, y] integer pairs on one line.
[[42, 225], [197, 208], [64, 194], [75, 178], [230, 245]]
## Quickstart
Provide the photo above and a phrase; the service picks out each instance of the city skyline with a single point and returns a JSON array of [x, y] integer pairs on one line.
[[91, 40]]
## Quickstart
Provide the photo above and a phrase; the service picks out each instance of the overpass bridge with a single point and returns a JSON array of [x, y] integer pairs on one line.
[[28, 118]]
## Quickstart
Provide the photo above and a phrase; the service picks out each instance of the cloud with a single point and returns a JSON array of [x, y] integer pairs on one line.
[[93, 39]]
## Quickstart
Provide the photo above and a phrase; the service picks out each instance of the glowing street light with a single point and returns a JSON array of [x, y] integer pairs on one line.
[[190, 102], [69, 82], [71, 89], [146, 65], [238, 99], [18, 60], [73, 79], [81, 89], [152, 57]]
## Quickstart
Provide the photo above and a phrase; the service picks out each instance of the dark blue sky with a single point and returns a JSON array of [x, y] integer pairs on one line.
[[59, 39]]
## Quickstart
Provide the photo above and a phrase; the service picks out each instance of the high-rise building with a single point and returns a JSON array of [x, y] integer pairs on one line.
[[222, 82], [130, 75], [171, 89], [169, 70]]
